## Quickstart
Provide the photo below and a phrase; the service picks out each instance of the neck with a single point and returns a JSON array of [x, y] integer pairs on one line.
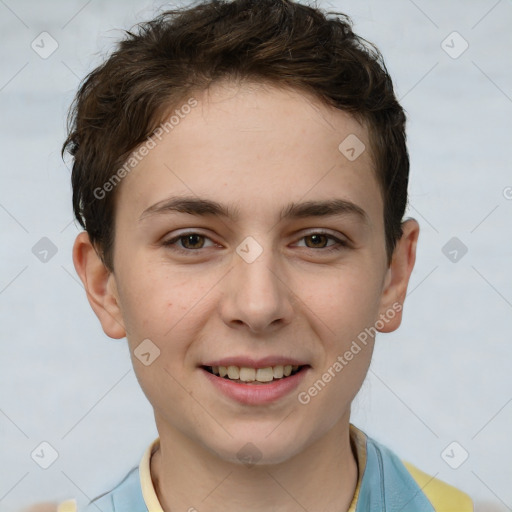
[[322, 477]]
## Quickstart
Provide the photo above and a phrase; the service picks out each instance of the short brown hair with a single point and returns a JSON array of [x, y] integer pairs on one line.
[[281, 42]]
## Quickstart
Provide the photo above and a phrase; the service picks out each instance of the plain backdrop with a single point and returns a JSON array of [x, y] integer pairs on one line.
[[444, 377]]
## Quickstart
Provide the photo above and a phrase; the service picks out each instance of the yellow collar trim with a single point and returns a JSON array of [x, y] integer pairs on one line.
[[146, 483], [358, 444]]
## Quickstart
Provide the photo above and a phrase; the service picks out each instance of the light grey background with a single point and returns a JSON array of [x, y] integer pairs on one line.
[[444, 376]]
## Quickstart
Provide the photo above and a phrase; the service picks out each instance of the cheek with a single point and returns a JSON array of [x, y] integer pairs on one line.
[[168, 308], [342, 319], [155, 315], [345, 302], [153, 300]]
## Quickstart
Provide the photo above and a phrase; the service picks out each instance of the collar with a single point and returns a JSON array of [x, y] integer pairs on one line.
[[357, 443], [146, 483]]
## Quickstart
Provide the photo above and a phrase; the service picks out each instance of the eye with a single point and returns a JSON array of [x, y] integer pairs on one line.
[[190, 241], [319, 238]]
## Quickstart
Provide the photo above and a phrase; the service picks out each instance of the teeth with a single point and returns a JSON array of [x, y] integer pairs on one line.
[[255, 374], [278, 372], [233, 372], [265, 374], [247, 374]]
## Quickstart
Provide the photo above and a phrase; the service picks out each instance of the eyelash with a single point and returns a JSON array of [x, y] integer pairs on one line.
[[339, 246]]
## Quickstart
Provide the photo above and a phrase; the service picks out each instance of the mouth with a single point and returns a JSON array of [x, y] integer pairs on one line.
[[247, 375], [253, 382]]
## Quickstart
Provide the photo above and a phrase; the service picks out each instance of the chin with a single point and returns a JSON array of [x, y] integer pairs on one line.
[[259, 448]]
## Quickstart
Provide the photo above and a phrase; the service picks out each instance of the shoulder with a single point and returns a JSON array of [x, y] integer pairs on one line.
[[124, 497], [443, 496], [403, 479]]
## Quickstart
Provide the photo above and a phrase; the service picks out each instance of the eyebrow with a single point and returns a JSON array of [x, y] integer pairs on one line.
[[205, 207]]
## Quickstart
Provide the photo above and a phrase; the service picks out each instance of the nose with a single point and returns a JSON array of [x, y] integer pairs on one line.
[[257, 294]]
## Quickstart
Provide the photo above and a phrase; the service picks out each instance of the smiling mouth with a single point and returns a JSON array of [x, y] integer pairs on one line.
[[244, 375]]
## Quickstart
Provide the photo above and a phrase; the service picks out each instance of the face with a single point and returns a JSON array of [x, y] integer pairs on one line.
[[276, 258]]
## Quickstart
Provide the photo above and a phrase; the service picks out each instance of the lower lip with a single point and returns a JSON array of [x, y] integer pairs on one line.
[[256, 394]]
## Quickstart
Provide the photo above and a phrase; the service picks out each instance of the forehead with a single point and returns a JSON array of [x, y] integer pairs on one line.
[[258, 145]]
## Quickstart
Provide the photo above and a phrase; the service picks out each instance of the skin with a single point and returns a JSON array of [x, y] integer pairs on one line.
[[255, 147]]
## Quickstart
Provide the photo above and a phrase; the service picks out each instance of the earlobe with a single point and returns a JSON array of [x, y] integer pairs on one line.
[[397, 277], [99, 285]]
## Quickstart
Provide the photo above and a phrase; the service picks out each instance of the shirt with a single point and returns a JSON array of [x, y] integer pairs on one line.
[[385, 484]]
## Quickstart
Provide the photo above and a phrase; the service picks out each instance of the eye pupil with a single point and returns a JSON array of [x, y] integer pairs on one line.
[[317, 239], [191, 240]]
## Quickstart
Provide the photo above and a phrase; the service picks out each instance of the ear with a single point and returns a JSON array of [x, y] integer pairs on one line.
[[100, 286], [397, 277]]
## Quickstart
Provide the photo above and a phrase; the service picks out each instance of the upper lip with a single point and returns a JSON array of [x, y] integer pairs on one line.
[[249, 362]]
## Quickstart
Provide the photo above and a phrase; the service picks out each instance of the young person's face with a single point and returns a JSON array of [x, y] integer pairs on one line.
[[256, 286]]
